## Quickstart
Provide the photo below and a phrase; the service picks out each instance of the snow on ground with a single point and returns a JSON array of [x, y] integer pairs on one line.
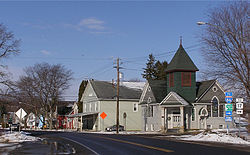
[[16, 137], [121, 132], [213, 137], [216, 137], [10, 141]]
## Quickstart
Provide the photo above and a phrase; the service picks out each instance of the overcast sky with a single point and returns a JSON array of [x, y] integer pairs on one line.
[[87, 37]]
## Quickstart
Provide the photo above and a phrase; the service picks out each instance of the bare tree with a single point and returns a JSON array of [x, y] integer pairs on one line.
[[44, 84], [226, 46], [8, 46]]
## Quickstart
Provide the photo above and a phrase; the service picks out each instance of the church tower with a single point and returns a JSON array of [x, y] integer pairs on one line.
[[181, 75]]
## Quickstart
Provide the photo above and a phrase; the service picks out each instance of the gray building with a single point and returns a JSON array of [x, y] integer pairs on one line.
[[180, 102]]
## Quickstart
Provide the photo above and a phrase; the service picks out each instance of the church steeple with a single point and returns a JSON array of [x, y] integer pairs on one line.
[[181, 61], [181, 76]]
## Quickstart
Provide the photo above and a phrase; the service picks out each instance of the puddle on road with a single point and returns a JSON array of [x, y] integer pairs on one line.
[[56, 147]]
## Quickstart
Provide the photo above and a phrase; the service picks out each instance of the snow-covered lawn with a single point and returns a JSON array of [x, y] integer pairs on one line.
[[9, 139], [213, 137]]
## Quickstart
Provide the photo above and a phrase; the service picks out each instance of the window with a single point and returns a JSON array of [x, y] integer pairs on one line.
[[193, 114], [221, 126], [215, 107], [186, 79], [171, 79], [214, 88], [148, 111], [149, 89], [209, 110], [85, 107], [209, 126], [152, 127], [135, 107], [221, 111], [149, 100], [96, 107]]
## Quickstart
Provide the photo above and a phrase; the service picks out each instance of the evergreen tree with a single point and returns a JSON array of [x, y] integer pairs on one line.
[[161, 73], [155, 70], [149, 71], [81, 90]]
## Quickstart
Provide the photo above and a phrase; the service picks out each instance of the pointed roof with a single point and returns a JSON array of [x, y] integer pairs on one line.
[[181, 61], [174, 99]]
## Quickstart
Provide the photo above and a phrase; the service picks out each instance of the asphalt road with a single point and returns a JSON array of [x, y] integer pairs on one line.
[[136, 144]]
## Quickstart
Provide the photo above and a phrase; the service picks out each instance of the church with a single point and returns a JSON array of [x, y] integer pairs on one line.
[[180, 103]]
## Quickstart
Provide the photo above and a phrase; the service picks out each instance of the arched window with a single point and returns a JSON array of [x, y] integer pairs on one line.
[[215, 104]]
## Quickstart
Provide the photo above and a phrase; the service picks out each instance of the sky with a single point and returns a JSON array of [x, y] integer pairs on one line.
[[87, 37]]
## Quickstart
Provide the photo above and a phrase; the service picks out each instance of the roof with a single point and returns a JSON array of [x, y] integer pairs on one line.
[[159, 89], [181, 61], [202, 86], [107, 90], [174, 99], [133, 85]]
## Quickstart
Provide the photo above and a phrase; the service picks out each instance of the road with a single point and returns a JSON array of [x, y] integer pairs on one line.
[[109, 144]]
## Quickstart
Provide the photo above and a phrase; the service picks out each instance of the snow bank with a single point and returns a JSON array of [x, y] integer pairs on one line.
[[16, 137], [215, 137]]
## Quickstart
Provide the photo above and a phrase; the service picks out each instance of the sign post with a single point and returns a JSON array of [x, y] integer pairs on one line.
[[21, 114], [228, 108], [239, 109], [103, 116]]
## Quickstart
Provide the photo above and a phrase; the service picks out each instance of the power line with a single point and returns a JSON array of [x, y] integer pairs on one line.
[[159, 54]]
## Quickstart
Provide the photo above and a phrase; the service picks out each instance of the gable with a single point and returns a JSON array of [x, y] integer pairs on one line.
[[215, 90], [174, 99], [146, 94], [89, 94]]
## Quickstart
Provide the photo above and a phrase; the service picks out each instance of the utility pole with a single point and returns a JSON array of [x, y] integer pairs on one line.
[[117, 98]]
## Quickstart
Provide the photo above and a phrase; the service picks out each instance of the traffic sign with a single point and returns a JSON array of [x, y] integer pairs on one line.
[[228, 119], [228, 94], [228, 107], [21, 113], [228, 113], [239, 100], [239, 112], [103, 115], [228, 99], [239, 106]]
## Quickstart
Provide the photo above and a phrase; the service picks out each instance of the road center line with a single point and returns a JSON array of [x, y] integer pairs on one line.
[[137, 144], [82, 145]]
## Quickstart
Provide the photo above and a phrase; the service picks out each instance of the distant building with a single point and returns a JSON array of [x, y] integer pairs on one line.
[[180, 102], [100, 97]]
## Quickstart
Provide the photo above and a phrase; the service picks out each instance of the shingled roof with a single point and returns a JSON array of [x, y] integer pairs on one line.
[[202, 86], [181, 61], [106, 90], [159, 89]]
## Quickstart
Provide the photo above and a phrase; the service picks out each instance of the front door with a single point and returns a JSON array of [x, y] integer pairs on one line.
[[174, 118]]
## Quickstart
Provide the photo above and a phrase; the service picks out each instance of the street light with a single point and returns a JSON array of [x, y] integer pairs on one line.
[[201, 23], [219, 27]]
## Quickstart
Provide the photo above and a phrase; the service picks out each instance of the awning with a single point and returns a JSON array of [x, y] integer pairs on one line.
[[82, 114]]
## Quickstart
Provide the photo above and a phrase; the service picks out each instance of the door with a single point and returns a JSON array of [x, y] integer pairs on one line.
[[174, 119]]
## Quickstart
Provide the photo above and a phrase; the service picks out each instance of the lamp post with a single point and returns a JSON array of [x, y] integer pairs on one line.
[[205, 23]]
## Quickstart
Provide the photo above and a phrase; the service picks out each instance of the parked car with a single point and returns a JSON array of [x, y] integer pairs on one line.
[[113, 128]]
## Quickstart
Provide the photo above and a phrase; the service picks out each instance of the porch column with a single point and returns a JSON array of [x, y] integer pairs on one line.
[[81, 124], [182, 119], [165, 120]]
